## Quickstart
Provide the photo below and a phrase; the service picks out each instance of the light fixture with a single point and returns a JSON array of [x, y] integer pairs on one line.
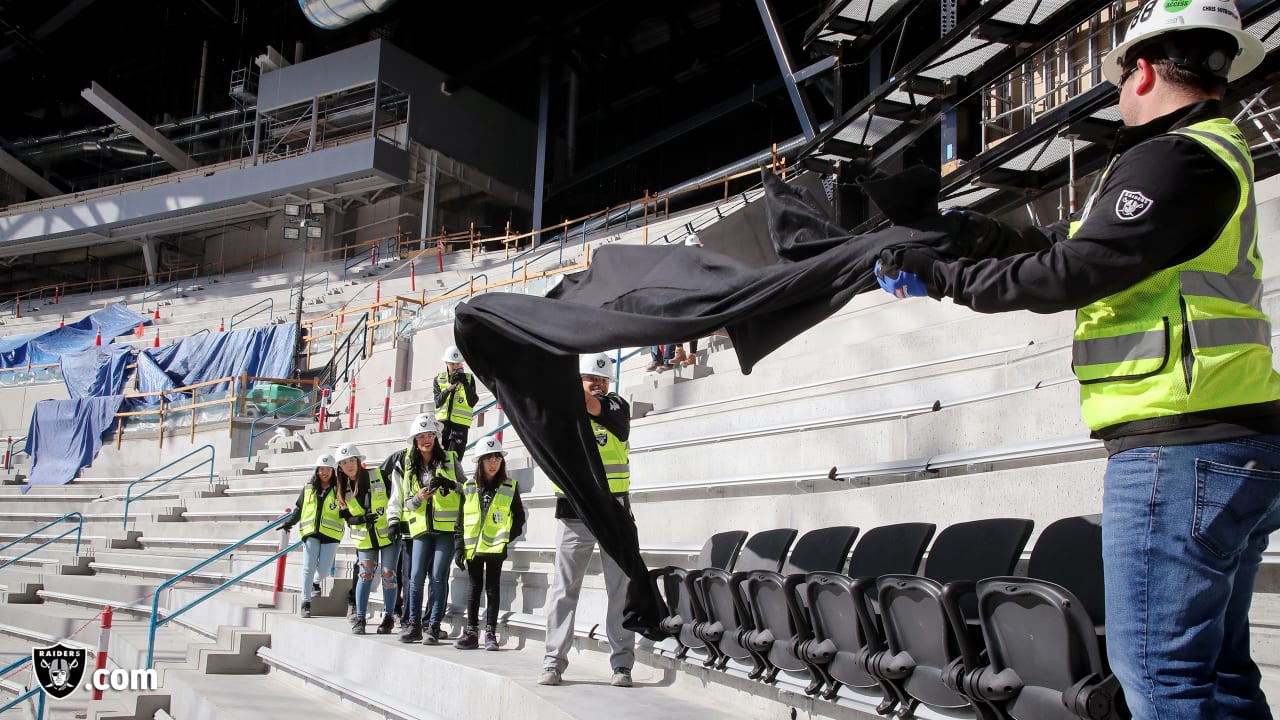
[[292, 233], [292, 210], [315, 231], [316, 208]]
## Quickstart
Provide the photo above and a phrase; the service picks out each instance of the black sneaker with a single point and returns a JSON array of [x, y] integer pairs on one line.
[[315, 587], [490, 638], [469, 640], [305, 610], [357, 625], [413, 633], [387, 625], [438, 632]]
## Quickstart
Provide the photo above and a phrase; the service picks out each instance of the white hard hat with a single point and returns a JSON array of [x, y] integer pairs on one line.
[[326, 460], [488, 446], [1159, 17], [452, 355], [692, 240], [348, 450], [422, 424], [599, 365]]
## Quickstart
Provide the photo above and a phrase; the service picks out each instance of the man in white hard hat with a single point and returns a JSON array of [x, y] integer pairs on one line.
[[611, 425], [1172, 350], [455, 395]]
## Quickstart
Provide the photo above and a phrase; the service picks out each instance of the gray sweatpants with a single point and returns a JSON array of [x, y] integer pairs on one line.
[[574, 544]]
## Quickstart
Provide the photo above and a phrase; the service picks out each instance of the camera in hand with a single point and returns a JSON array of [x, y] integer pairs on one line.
[[442, 484]]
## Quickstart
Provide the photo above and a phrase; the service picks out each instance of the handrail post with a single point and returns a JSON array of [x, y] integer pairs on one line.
[[193, 416], [160, 422]]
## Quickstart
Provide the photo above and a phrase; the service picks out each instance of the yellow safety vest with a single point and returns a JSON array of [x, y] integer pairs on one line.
[[615, 456], [378, 505], [320, 513], [459, 413], [491, 533], [1188, 338], [444, 509]]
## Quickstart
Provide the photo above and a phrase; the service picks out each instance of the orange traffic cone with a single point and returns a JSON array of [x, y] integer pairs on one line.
[[97, 339], [156, 315], [156, 342], [138, 332], [62, 322], [222, 326]]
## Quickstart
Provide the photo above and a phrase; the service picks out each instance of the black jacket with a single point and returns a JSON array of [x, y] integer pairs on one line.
[[1186, 195]]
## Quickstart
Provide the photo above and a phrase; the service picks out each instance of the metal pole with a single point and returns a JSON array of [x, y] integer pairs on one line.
[[540, 166], [798, 99], [386, 404], [351, 409], [324, 407]]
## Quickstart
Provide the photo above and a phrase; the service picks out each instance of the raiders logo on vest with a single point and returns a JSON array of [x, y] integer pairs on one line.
[[1132, 204], [59, 669]]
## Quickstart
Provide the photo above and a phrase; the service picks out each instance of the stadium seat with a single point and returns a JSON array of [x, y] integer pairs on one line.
[[930, 622], [843, 607], [721, 598], [1045, 633], [720, 551], [780, 619]]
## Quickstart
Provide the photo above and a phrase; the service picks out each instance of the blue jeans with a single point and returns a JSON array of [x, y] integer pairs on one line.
[[431, 554], [1183, 528], [371, 560], [316, 557]]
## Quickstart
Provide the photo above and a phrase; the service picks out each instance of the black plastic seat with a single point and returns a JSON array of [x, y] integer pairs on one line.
[[719, 591], [931, 627], [720, 551], [779, 617], [1045, 633], [843, 607]]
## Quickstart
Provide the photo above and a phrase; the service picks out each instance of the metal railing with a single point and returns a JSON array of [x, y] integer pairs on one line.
[[157, 621], [253, 431], [142, 304], [128, 493], [617, 365], [13, 452], [26, 695], [491, 433], [307, 284], [78, 529], [332, 376], [270, 310]]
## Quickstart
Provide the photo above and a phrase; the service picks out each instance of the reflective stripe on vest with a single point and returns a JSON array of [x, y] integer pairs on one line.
[[455, 410], [490, 534], [444, 510], [615, 456], [326, 522], [377, 505], [1188, 338]]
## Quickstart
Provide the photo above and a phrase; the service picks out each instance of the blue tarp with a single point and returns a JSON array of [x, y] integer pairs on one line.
[[259, 352], [95, 372], [45, 348], [65, 436]]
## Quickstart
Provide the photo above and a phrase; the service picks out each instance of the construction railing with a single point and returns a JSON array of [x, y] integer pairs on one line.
[[157, 621], [36, 691], [244, 315], [313, 405], [78, 529], [234, 401], [128, 492]]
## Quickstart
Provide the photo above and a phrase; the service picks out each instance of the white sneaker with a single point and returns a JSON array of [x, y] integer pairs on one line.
[[549, 676], [621, 677]]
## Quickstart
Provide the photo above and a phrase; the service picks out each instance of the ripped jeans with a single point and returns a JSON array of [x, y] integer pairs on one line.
[[369, 562]]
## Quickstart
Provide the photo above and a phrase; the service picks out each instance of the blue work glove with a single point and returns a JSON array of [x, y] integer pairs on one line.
[[900, 283]]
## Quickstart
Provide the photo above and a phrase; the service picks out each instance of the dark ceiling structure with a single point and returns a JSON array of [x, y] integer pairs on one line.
[[642, 95]]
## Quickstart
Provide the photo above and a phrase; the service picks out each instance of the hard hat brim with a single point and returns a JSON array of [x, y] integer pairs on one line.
[[1250, 55]]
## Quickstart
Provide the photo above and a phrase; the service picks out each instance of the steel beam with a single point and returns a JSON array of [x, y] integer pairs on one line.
[[129, 120], [798, 100], [19, 171]]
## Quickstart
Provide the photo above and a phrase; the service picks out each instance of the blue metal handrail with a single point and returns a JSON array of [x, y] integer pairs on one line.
[[128, 493], [156, 621], [617, 365], [19, 700], [486, 406], [558, 239], [293, 292], [271, 310], [495, 431], [79, 528], [13, 451], [142, 304], [254, 434]]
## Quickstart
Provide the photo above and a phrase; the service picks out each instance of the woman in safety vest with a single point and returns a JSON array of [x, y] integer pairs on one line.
[[426, 478], [318, 510], [370, 501], [492, 516]]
